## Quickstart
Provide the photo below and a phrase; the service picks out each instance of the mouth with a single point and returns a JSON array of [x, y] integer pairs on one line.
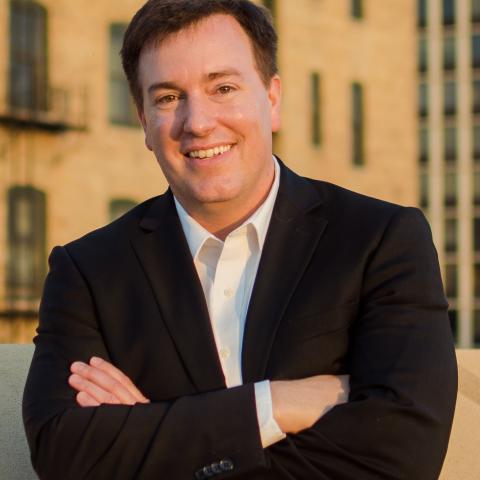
[[210, 152]]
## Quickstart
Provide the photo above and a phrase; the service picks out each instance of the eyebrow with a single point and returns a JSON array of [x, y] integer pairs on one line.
[[167, 85]]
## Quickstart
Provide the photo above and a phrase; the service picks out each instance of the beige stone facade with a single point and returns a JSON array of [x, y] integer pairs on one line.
[[92, 161]]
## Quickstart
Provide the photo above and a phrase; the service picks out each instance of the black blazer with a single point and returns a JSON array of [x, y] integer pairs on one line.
[[346, 285]]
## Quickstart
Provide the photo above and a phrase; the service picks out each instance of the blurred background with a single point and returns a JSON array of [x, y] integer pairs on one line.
[[382, 97]]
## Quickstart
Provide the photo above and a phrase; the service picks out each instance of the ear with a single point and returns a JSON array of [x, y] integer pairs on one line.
[[143, 121], [275, 97]]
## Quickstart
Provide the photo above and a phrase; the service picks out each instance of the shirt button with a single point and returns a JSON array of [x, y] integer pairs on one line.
[[224, 353], [228, 292]]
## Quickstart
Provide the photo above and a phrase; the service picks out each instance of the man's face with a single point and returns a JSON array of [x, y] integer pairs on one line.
[[207, 115]]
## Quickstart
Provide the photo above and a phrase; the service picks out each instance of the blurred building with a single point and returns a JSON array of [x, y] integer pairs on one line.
[[449, 153], [71, 151]]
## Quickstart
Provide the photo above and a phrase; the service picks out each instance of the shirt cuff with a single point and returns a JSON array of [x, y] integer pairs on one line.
[[270, 432]]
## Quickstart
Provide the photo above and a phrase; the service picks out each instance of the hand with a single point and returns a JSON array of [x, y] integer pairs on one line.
[[298, 404], [100, 382]]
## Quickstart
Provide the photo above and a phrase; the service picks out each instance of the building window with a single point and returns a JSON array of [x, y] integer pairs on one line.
[[28, 56], [423, 99], [452, 316], [448, 12], [120, 206], [357, 8], [358, 154], [450, 98], [26, 254], [451, 235], [476, 96], [422, 12], [450, 189], [476, 276], [476, 51], [476, 234], [316, 114], [422, 54], [272, 6], [476, 188], [122, 108], [423, 190], [450, 138], [476, 328], [475, 10], [423, 143], [451, 280], [449, 54], [476, 142]]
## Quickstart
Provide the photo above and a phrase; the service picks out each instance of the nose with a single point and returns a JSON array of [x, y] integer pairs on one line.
[[199, 116]]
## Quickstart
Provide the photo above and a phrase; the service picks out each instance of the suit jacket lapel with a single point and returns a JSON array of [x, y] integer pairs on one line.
[[295, 229], [163, 252]]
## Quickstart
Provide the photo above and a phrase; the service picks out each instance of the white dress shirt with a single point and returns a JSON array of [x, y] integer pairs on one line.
[[227, 271]]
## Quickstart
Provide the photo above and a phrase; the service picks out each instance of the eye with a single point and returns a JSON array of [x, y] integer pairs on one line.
[[226, 89], [170, 98]]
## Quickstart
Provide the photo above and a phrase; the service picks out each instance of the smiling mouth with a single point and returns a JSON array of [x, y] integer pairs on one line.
[[211, 152]]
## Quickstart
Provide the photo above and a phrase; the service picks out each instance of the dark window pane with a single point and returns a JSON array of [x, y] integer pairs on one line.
[[450, 98], [358, 154], [26, 254], [451, 280], [422, 54], [476, 10], [272, 6], [452, 316], [315, 106], [119, 206], [423, 99], [477, 281], [423, 144], [476, 142], [450, 138], [423, 190], [122, 109], [476, 187], [357, 8], [28, 55], [476, 51], [451, 234], [450, 189], [476, 234], [422, 12], [476, 96], [449, 54], [448, 12], [476, 328]]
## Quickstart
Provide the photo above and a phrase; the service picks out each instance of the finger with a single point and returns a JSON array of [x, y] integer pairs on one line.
[[102, 382], [94, 391], [118, 375], [85, 400]]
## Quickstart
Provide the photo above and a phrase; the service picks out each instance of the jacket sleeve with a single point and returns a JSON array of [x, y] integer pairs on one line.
[[172, 439], [402, 364]]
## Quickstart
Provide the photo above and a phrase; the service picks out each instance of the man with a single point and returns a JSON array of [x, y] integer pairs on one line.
[[210, 331]]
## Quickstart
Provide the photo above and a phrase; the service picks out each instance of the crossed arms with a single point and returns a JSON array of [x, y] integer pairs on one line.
[[402, 390]]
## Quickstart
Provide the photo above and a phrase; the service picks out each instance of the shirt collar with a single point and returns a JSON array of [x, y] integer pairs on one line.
[[197, 235]]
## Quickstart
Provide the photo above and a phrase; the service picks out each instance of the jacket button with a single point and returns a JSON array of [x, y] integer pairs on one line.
[[216, 468], [207, 471], [226, 465]]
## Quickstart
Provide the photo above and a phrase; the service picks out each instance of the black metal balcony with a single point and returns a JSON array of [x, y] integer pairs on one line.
[[59, 110]]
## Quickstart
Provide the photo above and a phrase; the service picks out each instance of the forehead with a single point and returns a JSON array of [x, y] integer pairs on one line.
[[218, 41]]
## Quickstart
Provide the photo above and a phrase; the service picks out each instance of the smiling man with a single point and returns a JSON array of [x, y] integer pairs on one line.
[[248, 323]]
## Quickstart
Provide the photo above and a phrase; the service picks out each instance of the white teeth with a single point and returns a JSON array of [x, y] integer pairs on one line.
[[211, 152]]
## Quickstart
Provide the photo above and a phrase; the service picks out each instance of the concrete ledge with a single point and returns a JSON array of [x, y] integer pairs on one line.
[[462, 462]]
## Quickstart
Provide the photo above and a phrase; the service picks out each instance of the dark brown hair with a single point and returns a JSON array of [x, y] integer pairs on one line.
[[158, 19]]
